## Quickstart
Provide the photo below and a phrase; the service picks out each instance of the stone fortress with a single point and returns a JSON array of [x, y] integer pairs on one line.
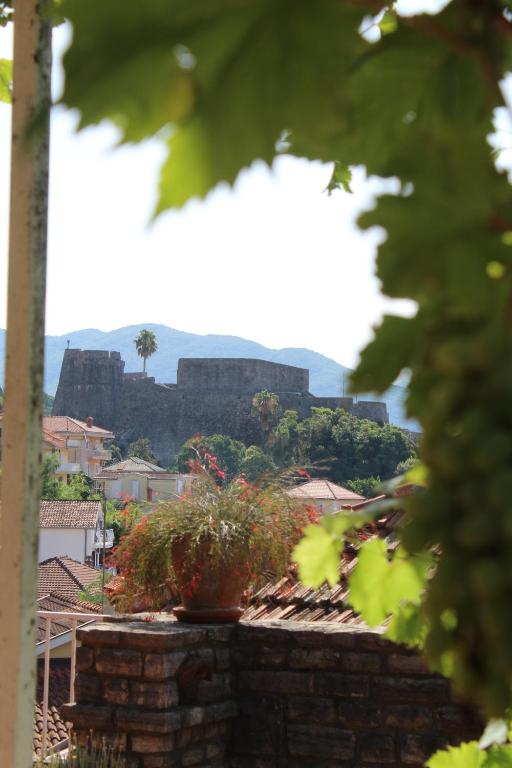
[[211, 395]]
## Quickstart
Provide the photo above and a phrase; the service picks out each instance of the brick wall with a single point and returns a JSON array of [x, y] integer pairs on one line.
[[283, 695], [160, 693], [327, 695]]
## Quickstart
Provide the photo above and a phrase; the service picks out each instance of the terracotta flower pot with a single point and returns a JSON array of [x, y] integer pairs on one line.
[[210, 591]]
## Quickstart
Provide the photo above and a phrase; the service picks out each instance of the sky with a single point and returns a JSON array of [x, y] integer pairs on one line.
[[274, 259]]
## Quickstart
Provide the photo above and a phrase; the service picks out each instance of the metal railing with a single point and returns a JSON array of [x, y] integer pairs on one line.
[[106, 541], [76, 620]]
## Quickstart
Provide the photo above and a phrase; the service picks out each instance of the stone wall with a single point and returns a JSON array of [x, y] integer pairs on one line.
[[160, 693], [261, 695], [240, 375], [326, 695]]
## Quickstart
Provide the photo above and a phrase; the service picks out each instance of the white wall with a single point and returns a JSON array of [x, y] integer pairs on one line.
[[65, 541]]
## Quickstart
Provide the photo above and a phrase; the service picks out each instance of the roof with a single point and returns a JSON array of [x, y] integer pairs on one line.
[[53, 439], [69, 425], [63, 604], [290, 600], [134, 464], [64, 576], [323, 489], [56, 728], [64, 513]]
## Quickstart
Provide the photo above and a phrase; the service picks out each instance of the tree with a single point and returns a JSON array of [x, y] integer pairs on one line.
[[345, 447], [141, 448], [146, 345], [265, 408], [256, 464], [79, 486], [364, 486], [227, 453], [285, 440], [50, 484]]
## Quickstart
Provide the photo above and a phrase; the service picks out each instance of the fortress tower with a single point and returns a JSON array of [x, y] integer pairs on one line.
[[90, 384]]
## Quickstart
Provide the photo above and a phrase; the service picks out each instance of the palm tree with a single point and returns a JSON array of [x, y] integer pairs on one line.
[[146, 345], [265, 407]]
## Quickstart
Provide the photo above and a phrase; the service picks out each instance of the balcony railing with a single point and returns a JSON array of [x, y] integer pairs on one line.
[[107, 541], [69, 467], [101, 453], [74, 620]]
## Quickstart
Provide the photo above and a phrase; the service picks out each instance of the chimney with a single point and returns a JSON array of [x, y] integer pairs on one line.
[[89, 421]]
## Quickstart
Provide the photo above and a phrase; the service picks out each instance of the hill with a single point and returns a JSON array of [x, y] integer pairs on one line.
[[326, 375]]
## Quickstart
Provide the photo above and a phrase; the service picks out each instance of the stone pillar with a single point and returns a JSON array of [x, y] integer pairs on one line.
[[158, 692]]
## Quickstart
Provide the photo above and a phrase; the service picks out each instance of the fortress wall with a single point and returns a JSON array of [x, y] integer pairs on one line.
[[90, 384], [211, 396], [372, 410], [240, 375]]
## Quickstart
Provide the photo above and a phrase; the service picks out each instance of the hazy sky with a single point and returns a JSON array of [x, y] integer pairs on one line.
[[274, 259]]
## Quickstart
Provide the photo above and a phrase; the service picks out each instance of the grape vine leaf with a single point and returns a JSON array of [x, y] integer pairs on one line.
[[499, 757], [318, 552], [340, 179], [255, 69], [408, 626], [389, 22], [378, 585], [467, 755]]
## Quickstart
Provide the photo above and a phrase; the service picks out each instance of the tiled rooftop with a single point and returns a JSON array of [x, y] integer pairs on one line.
[[323, 489], [134, 464], [53, 439], [64, 513], [64, 577], [56, 729], [68, 425], [290, 600], [62, 604]]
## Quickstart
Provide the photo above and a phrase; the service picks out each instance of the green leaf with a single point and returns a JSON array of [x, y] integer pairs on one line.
[[261, 69], [408, 626], [386, 356], [467, 755], [418, 475], [341, 178], [5, 80], [378, 585], [389, 22], [318, 552], [499, 757], [496, 732], [318, 557]]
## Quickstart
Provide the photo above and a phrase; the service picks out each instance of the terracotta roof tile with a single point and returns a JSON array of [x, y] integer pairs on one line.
[[57, 731], [70, 425], [62, 604], [53, 439], [64, 577], [64, 513], [134, 464], [323, 489]]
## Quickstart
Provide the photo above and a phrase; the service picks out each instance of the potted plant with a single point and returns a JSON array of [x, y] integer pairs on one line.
[[212, 544]]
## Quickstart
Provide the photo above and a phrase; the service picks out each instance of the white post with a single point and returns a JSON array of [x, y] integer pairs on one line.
[[46, 685], [73, 663], [19, 517]]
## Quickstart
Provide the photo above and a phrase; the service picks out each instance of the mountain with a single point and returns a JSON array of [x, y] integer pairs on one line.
[[326, 376]]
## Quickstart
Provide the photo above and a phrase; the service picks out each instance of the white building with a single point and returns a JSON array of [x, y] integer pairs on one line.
[[325, 496], [74, 528]]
